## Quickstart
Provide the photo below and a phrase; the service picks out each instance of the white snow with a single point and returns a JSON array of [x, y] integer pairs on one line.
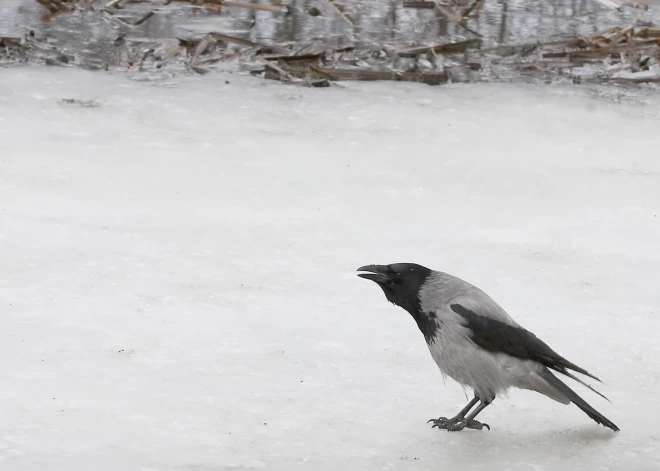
[[177, 271]]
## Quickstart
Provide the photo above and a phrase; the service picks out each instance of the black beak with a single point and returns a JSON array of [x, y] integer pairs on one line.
[[377, 273]]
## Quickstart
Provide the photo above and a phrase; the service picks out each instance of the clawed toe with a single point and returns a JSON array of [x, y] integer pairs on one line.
[[442, 422], [471, 424], [477, 425]]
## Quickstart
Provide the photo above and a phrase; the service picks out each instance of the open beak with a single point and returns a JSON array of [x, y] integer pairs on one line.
[[377, 273]]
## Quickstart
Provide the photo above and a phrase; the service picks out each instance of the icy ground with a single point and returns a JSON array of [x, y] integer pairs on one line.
[[177, 271]]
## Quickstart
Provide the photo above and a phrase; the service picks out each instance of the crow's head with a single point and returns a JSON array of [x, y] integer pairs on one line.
[[400, 282]]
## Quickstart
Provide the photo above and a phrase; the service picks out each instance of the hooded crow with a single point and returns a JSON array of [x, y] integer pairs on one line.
[[476, 343]]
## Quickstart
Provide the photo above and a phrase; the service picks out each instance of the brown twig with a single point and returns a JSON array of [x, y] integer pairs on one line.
[[341, 13], [456, 18]]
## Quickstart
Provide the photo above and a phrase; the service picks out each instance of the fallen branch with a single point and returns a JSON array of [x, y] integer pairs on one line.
[[421, 4], [254, 6], [435, 78], [448, 48], [633, 4], [284, 75], [649, 33], [144, 18], [216, 5]]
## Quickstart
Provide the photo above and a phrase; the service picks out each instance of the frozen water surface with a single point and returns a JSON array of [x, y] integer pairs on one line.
[[177, 275]]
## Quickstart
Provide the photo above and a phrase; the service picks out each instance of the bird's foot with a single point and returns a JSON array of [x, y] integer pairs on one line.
[[473, 424], [444, 422]]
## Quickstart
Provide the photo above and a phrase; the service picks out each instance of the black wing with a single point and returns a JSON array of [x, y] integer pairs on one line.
[[500, 337]]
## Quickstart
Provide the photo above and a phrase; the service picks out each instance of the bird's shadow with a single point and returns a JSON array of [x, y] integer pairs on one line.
[[580, 436], [519, 444]]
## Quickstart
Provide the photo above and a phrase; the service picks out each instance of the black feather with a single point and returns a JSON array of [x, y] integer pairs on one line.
[[572, 376], [500, 337], [578, 401]]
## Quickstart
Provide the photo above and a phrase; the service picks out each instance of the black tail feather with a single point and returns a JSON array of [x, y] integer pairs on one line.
[[572, 376], [564, 363], [578, 401]]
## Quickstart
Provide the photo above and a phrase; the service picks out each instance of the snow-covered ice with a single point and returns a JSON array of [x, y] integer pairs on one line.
[[177, 271]]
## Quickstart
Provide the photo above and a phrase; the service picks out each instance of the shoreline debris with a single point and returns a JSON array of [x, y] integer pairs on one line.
[[617, 54]]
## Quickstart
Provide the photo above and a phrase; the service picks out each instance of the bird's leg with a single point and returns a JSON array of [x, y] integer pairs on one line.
[[444, 422], [469, 421]]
